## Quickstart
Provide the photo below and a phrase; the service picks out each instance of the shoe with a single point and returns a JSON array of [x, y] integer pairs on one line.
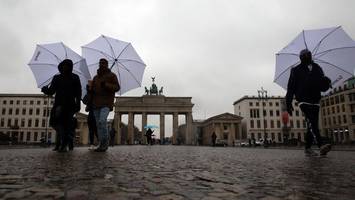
[[99, 149], [92, 147], [324, 149], [310, 152]]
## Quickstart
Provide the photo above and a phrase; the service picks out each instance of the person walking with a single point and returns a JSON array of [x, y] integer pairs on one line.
[[105, 85], [88, 101], [67, 89], [306, 83], [149, 135], [112, 136], [214, 137]]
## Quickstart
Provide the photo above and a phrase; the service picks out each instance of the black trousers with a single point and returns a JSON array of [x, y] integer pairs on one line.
[[92, 127], [311, 113]]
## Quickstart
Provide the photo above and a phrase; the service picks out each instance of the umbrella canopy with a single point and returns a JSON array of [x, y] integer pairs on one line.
[[123, 59], [150, 126], [45, 61], [331, 48]]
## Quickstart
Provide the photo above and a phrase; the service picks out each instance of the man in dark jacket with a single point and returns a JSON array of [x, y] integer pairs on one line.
[[105, 85], [306, 83], [67, 89]]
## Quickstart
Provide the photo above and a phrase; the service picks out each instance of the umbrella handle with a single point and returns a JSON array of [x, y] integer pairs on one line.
[[113, 64]]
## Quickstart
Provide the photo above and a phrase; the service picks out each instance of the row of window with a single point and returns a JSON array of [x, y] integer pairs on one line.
[[16, 111], [29, 136], [328, 121], [334, 100], [24, 102], [278, 124], [264, 103], [22, 123], [254, 113], [337, 109], [273, 138]]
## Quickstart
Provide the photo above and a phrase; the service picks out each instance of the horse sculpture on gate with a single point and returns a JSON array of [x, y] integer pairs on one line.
[[153, 90]]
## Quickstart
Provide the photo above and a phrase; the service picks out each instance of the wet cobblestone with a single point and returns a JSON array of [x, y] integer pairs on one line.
[[175, 172]]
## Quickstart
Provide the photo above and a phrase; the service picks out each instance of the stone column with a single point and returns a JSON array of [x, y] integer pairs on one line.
[[144, 123], [189, 133], [221, 131], [231, 135], [162, 127], [175, 127], [130, 128], [118, 127]]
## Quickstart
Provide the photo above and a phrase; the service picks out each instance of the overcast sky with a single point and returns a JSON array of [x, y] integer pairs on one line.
[[215, 51]]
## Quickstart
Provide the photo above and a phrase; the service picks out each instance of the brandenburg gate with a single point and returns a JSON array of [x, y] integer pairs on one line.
[[153, 103]]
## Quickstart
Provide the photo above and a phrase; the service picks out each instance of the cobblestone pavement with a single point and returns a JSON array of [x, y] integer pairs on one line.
[[175, 172]]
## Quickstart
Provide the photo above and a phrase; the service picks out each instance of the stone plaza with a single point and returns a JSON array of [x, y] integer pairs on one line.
[[175, 172]]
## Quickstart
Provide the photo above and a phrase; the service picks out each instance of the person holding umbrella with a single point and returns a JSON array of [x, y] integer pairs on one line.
[[67, 89], [105, 85], [149, 135], [306, 83]]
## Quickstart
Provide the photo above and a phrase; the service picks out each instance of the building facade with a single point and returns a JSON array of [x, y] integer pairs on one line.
[[262, 119], [24, 117], [338, 114]]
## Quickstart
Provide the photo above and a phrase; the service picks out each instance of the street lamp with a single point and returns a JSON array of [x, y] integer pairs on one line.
[[262, 95]]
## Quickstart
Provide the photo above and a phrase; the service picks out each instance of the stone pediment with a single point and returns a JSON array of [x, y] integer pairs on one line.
[[225, 116]]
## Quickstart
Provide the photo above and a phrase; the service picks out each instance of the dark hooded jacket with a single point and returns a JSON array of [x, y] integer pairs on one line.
[[304, 84], [67, 89]]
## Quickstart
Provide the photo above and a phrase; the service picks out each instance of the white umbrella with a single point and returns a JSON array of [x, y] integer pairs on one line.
[[331, 48], [45, 60], [123, 59]]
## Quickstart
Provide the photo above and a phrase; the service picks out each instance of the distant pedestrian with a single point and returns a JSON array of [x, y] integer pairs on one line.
[[149, 134], [214, 137], [67, 89], [112, 136], [105, 85], [306, 82], [88, 101]]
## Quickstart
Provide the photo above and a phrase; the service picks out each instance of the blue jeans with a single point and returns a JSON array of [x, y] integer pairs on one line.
[[101, 115]]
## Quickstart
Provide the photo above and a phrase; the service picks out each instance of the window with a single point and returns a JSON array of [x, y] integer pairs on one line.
[[22, 122], [336, 99], [291, 123], [21, 136], [38, 102], [4, 102], [225, 127], [264, 113], [250, 103], [257, 103], [297, 113], [2, 122], [271, 113], [35, 137], [328, 111], [37, 111], [298, 124], [265, 123], [329, 121], [278, 124], [333, 110], [344, 119], [279, 137], [3, 111], [10, 111], [30, 111], [44, 112], [277, 113], [31, 102], [339, 119], [23, 111], [29, 123], [338, 109], [36, 122], [334, 120], [331, 101], [343, 108], [28, 136], [272, 124], [251, 123], [18, 102], [325, 121], [270, 103], [17, 111], [277, 103], [258, 123], [273, 136], [11, 102], [16, 122], [24, 102], [45, 102], [342, 98], [43, 123]]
